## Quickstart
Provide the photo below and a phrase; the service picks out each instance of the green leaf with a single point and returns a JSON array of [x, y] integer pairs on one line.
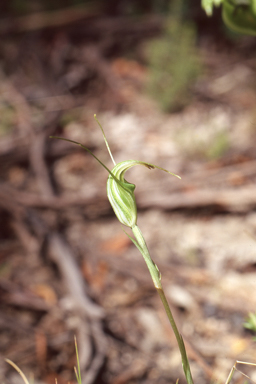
[[250, 322], [134, 242], [253, 5], [240, 18], [207, 5]]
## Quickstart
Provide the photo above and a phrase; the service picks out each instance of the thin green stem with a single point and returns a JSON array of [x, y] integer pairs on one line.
[[185, 362], [154, 272], [156, 277]]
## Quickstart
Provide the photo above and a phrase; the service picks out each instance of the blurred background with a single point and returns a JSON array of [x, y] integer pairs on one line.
[[172, 87]]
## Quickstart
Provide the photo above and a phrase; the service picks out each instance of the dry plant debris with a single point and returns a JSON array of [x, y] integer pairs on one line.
[[64, 261]]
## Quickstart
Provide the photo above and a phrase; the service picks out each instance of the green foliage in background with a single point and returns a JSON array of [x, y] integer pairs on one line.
[[173, 63], [238, 15], [250, 322], [219, 146], [8, 117]]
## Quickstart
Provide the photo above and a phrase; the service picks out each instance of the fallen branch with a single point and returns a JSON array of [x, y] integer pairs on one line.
[[42, 20]]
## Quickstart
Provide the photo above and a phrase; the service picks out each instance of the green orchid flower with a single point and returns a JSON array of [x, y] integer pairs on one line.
[[121, 194], [122, 199]]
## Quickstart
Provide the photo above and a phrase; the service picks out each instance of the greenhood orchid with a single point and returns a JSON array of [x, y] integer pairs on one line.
[[122, 199]]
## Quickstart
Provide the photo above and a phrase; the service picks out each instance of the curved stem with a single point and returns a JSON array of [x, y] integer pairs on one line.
[[156, 277]]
